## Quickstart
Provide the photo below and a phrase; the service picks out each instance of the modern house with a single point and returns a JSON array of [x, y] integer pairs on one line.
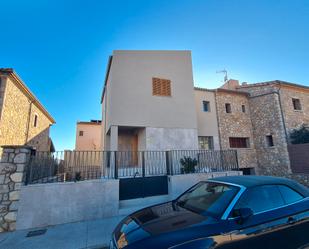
[[148, 101], [23, 119], [88, 136]]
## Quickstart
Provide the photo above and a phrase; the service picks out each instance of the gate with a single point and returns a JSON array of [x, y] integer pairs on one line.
[[139, 187], [146, 177]]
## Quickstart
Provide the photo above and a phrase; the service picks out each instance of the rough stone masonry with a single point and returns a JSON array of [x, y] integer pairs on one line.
[[12, 168]]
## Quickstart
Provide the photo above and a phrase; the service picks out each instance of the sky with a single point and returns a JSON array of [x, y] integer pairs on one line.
[[60, 48]]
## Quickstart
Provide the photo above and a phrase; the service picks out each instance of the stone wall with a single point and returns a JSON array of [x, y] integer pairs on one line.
[[236, 123], [12, 166], [247, 158], [294, 118], [17, 119], [267, 120]]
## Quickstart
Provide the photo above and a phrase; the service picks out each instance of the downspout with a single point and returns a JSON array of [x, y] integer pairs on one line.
[[28, 122], [282, 115], [217, 116]]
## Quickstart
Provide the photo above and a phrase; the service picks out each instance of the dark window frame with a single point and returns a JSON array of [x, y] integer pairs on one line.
[[243, 108], [207, 105], [239, 142], [202, 140], [296, 104], [270, 140], [81, 133], [35, 121], [228, 108]]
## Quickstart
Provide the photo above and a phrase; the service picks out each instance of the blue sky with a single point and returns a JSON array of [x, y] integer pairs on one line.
[[60, 48]]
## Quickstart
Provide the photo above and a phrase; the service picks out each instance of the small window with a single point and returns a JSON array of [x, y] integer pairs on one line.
[[289, 195], [35, 121], [206, 106], [161, 87], [228, 108], [239, 142], [261, 198], [243, 108], [269, 141], [81, 133], [206, 143], [296, 104]]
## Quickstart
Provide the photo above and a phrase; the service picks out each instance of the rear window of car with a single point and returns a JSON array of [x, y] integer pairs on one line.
[[261, 198], [289, 195]]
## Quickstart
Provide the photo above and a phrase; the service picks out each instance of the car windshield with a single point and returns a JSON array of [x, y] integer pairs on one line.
[[208, 198]]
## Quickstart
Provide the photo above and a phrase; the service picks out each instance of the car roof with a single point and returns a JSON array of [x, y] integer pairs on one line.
[[252, 181]]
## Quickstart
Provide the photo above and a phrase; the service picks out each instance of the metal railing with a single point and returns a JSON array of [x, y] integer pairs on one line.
[[46, 167]]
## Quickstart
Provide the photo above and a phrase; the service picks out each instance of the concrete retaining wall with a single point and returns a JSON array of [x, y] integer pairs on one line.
[[55, 203], [178, 184]]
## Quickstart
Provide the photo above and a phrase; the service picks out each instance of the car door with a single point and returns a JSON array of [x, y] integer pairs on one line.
[[270, 213]]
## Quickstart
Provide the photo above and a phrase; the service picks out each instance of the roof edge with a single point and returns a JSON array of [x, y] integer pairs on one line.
[[22, 86]]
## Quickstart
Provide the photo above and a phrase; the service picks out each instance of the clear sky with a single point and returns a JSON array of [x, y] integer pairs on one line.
[[60, 48]]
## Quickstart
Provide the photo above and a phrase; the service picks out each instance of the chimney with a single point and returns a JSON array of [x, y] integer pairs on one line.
[[230, 84]]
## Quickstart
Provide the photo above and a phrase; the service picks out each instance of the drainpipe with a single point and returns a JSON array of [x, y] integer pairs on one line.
[[217, 116], [28, 121], [282, 115]]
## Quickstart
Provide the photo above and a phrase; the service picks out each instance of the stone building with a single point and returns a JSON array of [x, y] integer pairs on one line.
[[276, 108], [23, 119]]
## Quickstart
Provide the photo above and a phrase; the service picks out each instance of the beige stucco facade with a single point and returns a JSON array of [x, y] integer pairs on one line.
[[88, 136], [19, 109], [207, 123], [128, 100]]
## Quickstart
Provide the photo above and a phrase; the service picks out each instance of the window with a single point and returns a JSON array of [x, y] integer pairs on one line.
[[289, 196], [269, 141], [261, 198], [161, 87], [206, 143], [81, 133], [35, 121], [208, 198], [243, 108], [206, 106], [239, 142], [228, 108], [296, 104]]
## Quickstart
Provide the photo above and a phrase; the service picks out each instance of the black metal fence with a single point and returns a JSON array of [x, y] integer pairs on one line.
[[46, 167]]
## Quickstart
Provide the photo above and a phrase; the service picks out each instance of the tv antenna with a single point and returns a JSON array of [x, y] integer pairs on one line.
[[225, 74]]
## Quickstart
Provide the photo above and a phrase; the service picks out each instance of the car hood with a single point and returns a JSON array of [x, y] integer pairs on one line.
[[155, 220]]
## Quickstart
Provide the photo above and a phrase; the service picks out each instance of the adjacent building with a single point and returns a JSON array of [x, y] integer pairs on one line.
[[88, 136], [23, 119]]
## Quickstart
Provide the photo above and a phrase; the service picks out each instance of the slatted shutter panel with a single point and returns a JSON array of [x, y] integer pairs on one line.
[[161, 87]]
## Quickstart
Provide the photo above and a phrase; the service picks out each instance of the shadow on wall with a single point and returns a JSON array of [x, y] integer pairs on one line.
[[42, 142]]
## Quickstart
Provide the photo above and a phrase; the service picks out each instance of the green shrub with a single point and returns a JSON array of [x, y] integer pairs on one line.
[[300, 135], [188, 165]]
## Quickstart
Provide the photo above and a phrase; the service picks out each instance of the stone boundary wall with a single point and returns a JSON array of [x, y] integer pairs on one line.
[[12, 166]]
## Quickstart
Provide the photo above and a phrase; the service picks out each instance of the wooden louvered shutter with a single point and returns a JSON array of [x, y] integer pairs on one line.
[[161, 87]]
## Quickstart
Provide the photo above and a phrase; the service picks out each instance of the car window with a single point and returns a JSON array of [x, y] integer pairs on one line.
[[289, 195], [208, 198], [261, 198]]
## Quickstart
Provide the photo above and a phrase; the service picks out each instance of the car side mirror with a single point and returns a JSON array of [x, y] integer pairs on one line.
[[242, 214]]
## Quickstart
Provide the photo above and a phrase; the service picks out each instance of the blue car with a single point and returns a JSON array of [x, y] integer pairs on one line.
[[225, 212]]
